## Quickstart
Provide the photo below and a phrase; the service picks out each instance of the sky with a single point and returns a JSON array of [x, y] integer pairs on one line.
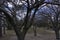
[[10, 5]]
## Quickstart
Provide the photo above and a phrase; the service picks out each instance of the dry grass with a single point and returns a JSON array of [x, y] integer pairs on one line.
[[42, 34]]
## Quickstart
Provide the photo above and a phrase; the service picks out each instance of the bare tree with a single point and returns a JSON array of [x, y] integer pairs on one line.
[[53, 16], [22, 30]]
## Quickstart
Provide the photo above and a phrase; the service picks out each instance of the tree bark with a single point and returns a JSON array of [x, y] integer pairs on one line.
[[0, 31], [57, 34], [0, 24], [4, 30], [21, 37], [34, 29]]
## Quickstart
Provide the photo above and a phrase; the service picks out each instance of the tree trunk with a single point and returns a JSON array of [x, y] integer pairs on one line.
[[57, 34], [34, 29], [4, 30], [21, 37], [0, 31]]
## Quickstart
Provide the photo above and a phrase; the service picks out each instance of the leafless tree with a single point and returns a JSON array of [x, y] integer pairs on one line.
[[22, 30], [53, 17]]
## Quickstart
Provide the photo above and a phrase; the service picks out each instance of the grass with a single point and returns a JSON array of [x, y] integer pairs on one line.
[[40, 31], [10, 32]]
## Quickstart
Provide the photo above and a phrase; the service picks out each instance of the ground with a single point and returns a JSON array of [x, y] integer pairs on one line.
[[41, 35]]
